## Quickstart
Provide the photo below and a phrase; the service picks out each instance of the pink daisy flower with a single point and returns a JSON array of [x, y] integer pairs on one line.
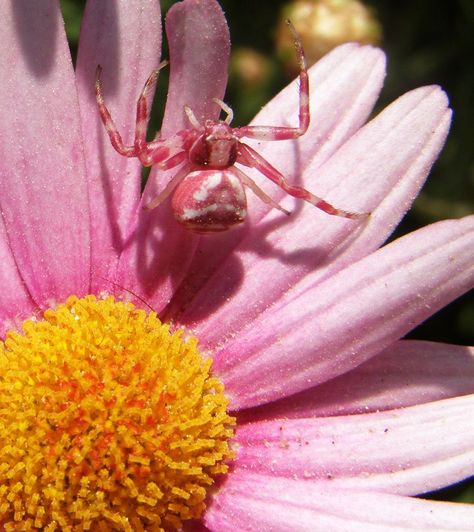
[[315, 415]]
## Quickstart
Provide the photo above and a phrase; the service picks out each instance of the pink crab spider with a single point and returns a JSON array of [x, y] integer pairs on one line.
[[209, 190]]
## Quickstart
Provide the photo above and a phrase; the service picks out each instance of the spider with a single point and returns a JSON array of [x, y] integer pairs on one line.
[[209, 190]]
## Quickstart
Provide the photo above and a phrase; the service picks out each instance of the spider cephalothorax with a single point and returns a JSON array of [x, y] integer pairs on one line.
[[216, 147], [209, 189]]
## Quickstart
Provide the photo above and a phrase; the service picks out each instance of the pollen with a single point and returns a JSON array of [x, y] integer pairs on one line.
[[108, 421]]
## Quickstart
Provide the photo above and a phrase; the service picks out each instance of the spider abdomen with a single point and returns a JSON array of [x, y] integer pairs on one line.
[[209, 201]]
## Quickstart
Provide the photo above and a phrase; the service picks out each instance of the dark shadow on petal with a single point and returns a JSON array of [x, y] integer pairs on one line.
[[110, 203], [161, 252], [105, 41], [234, 277], [37, 28]]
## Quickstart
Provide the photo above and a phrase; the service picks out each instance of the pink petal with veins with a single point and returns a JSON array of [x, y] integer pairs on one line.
[[160, 251], [379, 451], [345, 320], [405, 374], [313, 245], [125, 39], [391, 208], [43, 190], [344, 86], [247, 501]]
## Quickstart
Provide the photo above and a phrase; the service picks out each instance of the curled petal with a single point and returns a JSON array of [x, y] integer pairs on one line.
[[247, 501], [405, 451]]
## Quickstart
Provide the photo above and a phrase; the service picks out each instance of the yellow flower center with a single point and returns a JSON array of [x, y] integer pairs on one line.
[[107, 422]]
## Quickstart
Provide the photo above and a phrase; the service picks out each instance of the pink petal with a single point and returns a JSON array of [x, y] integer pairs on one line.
[[199, 43], [43, 190], [377, 166], [406, 451], [327, 330], [160, 251], [253, 502], [414, 165], [405, 374], [125, 38], [344, 86]]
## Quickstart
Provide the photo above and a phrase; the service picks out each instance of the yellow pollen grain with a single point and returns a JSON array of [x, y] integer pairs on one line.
[[108, 421]]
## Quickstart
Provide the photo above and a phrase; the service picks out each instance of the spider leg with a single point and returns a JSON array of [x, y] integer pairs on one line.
[[143, 112], [192, 117], [250, 183], [141, 148], [227, 110], [165, 153], [111, 128], [280, 132], [249, 157], [170, 186]]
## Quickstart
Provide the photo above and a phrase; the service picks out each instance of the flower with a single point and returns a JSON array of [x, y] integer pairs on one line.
[[339, 421]]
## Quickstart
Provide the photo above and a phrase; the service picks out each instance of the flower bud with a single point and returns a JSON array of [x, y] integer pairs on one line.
[[324, 24]]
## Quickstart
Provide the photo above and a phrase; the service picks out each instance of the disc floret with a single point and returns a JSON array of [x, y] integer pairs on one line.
[[107, 422]]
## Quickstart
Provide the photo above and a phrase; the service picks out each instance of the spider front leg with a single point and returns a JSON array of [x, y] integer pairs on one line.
[[141, 148], [280, 132], [111, 128]]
